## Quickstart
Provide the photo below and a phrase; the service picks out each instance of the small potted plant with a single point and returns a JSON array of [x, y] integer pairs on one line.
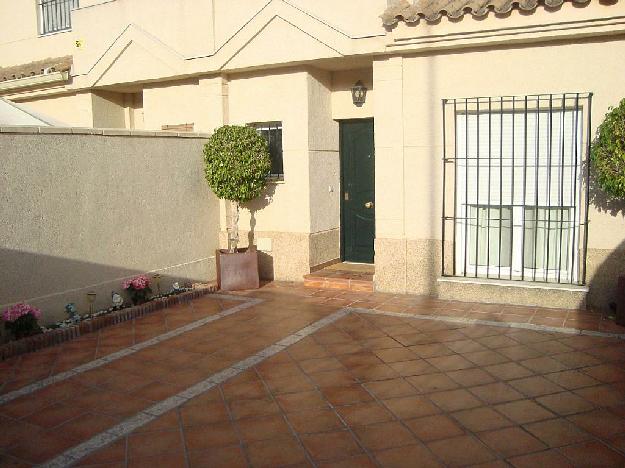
[[608, 162], [21, 320], [237, 164], [138, 288]]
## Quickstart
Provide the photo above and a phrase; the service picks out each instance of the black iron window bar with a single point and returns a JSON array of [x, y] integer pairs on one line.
[[55, 15], [516, 181], [272, 132]]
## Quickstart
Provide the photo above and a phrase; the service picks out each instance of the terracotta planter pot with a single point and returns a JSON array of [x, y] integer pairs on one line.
[[620, 301], [237, 271]]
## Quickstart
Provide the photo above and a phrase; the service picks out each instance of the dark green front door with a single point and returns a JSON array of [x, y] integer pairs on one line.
[[357, 191]]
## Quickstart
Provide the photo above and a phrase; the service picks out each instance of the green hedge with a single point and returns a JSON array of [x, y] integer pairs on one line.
[[608, 153], [237, 163]]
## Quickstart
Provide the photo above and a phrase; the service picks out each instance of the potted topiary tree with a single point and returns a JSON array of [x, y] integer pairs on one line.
[[608, 162], [236, 165]]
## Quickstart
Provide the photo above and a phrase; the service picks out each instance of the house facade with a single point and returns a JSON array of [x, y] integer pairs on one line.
[[460, 172]]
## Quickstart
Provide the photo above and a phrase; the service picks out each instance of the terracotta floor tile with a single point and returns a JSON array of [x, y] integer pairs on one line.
[[218, 457], [54, 415], [395, 355], [331, 445], [253, 408], [497, 392], [213, 435], [565, 403], [411, 407], [311, 366], [454, 400], [524, 411], [471, 377], [592, 454], [535, 386], [167, 460], [146, 444], [291, 402], [384, 435], [263, 428], [556, 432], [450, 363], [270, 453], [496, 342], [390, 388], [169, 421], [486, 358], [460, 451], [606, 373], [405, 457], [547, 458], [414, 367], [202, 414], [602, 395], [364, 413], [86, 426], [544, 365], [358, 461], [511, 441], [346, 395], [113, 453], [434, 427], [46, 447], [519, 352], [571, 379], [314, 421], [508, 371], [244, 390], [333, 378], [481, 419], [376, 372], [432, 383], [289, 384], [601, 423]]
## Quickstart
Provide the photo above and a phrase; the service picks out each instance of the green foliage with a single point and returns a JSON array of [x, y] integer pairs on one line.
[[236, 163], [608, 152], [24, 326]]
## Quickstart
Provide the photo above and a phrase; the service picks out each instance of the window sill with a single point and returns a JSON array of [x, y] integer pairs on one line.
[[54, 33], [275, 180], [513, 284]]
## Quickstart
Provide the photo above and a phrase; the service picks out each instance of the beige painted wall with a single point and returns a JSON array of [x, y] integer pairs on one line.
[[178, 102], [409, 91], [82, 212], [342, 102], [72, 109]]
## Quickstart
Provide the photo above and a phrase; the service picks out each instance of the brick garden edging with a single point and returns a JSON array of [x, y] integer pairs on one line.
[[61, 335]]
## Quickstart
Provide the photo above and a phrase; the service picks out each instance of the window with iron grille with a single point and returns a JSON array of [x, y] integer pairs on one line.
[[515, 179], [55, 15], [272, 132]]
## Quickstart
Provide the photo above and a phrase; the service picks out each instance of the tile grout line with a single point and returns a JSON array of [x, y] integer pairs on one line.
[[490, 323], [60, 377], [124, 428]]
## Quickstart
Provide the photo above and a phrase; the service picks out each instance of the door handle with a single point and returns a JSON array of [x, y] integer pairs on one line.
[[369, 204]]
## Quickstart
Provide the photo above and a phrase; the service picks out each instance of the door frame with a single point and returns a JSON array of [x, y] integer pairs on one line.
[[342, 198]]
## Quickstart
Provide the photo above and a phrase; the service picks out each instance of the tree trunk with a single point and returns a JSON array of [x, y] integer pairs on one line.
[[233, 234]]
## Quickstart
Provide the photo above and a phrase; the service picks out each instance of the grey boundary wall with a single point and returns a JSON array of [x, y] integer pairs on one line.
[[82, 209]]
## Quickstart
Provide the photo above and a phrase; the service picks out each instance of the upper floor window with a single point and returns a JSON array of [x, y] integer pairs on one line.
[[272, 131], [55, 15]]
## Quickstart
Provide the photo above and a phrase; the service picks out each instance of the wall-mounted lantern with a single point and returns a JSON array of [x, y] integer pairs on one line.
[[359, 93]]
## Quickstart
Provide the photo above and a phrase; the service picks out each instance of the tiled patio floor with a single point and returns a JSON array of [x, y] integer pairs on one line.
[[359, 388]]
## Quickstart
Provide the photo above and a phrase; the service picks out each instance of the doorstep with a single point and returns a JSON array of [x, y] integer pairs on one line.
[[342, 276]]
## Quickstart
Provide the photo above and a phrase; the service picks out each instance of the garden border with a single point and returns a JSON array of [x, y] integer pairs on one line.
[[61, 335]]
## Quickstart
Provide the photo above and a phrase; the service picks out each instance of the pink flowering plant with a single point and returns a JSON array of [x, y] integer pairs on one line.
[[138, 288], [21, 320]]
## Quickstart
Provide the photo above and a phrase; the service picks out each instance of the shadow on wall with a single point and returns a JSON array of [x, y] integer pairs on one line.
[[51, 282]]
